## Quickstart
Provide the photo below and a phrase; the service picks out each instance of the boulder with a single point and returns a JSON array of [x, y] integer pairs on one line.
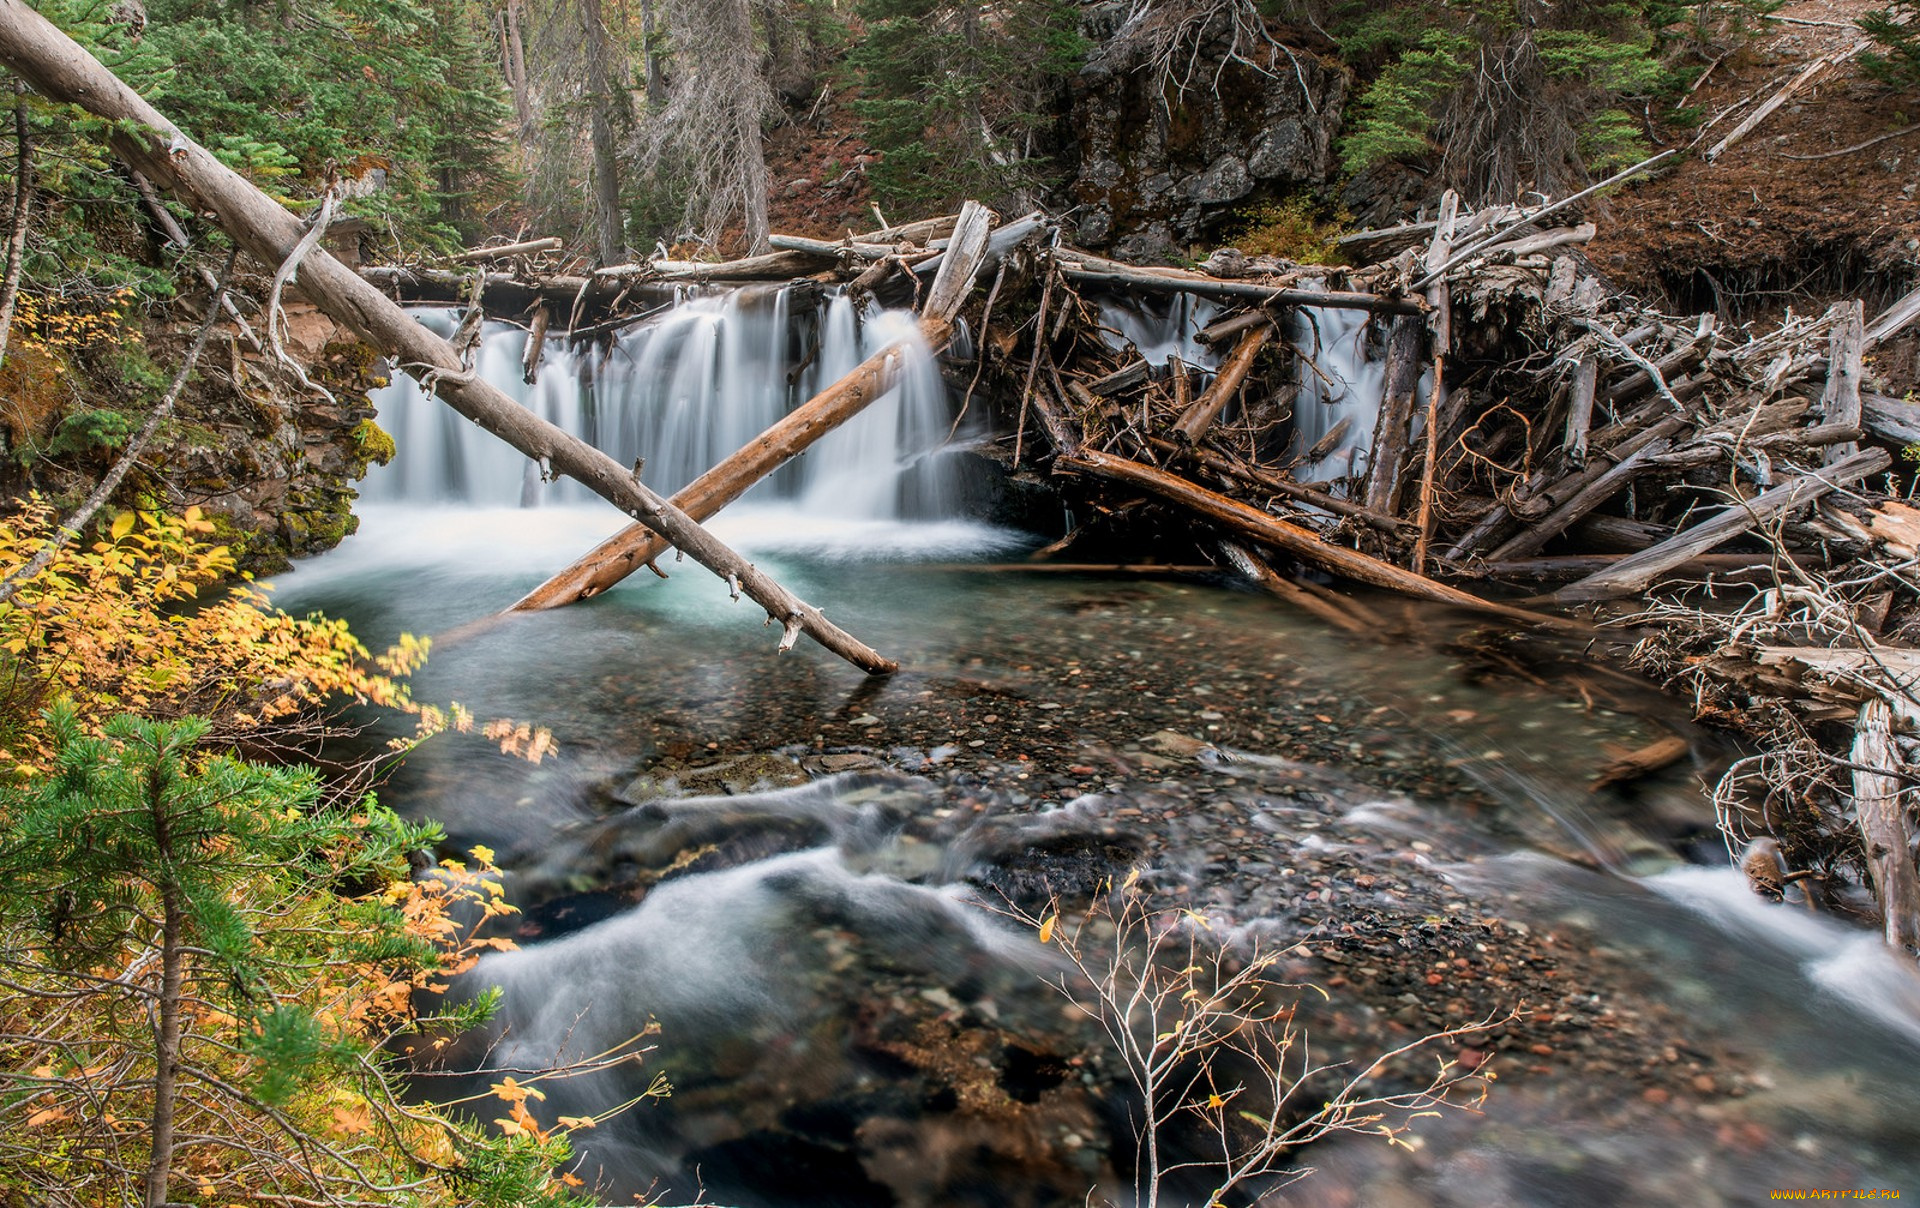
[[1159, 166]]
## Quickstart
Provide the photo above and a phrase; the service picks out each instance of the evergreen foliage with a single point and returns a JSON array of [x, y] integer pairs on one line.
[[1896, 28], [1502, 97], [195, 945], [957, 97]]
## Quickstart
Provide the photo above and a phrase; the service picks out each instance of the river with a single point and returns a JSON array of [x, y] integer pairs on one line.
[[847, 1013]]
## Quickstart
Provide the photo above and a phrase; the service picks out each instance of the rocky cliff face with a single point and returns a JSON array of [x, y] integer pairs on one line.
[[1161, 165], [273, 462]]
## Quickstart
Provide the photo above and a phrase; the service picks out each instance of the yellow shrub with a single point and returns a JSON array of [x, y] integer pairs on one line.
[[116, 625]]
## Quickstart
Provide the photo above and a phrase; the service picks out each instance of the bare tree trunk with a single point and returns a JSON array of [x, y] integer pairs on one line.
[[166, 1048], [166, 1032], [17, 232], [606, 168], [513, 54], [656, 73]]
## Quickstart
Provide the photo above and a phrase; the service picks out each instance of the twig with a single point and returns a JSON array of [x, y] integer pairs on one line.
[[1900, 133], [277, 315]]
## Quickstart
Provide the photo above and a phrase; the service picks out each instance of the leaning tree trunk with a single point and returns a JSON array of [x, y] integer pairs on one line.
[[59, 68], [17, 231]]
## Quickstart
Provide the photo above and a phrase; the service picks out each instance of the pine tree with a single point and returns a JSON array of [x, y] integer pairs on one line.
[[958, 96], [189, 940]]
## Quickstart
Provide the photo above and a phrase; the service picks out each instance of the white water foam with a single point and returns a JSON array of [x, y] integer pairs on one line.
[[1847, 963]]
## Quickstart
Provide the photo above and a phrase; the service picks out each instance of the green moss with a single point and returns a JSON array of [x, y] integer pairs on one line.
[[1292, 229], [374, 443]]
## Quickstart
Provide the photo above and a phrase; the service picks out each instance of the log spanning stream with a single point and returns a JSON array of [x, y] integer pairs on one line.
[[794, 869]]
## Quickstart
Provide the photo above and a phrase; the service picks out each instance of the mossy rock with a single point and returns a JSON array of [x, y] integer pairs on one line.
[[375, 445]]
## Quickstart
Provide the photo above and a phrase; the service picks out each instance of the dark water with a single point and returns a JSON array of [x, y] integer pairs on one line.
[[1097, 700]]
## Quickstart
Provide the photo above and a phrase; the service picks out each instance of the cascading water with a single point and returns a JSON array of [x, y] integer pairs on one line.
[[1337, 383], [684, 390], [1338, 377]]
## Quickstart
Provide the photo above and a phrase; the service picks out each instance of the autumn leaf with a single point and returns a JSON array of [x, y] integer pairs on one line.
[[349, 1122], [511, 1091], [1046, 928]]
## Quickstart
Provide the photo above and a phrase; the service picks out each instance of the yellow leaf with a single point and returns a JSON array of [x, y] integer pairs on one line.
[[482, 853], [1215, 1101], [1046, 928], [577, 1122], [122, 525]]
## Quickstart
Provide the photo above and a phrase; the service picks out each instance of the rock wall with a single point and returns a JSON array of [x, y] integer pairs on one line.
[[272, 461], [1160, 166]]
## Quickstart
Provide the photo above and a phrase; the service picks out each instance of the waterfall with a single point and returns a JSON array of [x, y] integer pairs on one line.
[[1337, 382], [682, 390], [1339, 379]]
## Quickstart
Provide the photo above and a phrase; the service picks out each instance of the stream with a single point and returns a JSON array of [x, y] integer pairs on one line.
[[802, 875]]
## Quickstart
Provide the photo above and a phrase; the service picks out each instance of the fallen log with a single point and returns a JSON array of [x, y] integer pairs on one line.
[[1641, 763], [1810, 73], [561, 292], [1564, 567], [843, 250], [1233, 371], [1281, 588], [1225, 329], [536, 344], [480, 255], [768, 266], [1440, 314], [1121, 379], [1891, 321], [1393, 431], [1586, 378], [1171, 281], [1639, 571], [635, 546], [1840, 399], [1879, 802], [1893, 420], [1292, 539], [61, 70], [1233, 467]]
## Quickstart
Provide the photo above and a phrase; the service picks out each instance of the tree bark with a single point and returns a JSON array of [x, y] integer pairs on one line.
[[656, 74], [1440, 302], [50, 61], [1394, 431], [1207, 408], [22, 202], [514, 59], [1840, 398], [166, 1046], [1880, 806], [609, 231]]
